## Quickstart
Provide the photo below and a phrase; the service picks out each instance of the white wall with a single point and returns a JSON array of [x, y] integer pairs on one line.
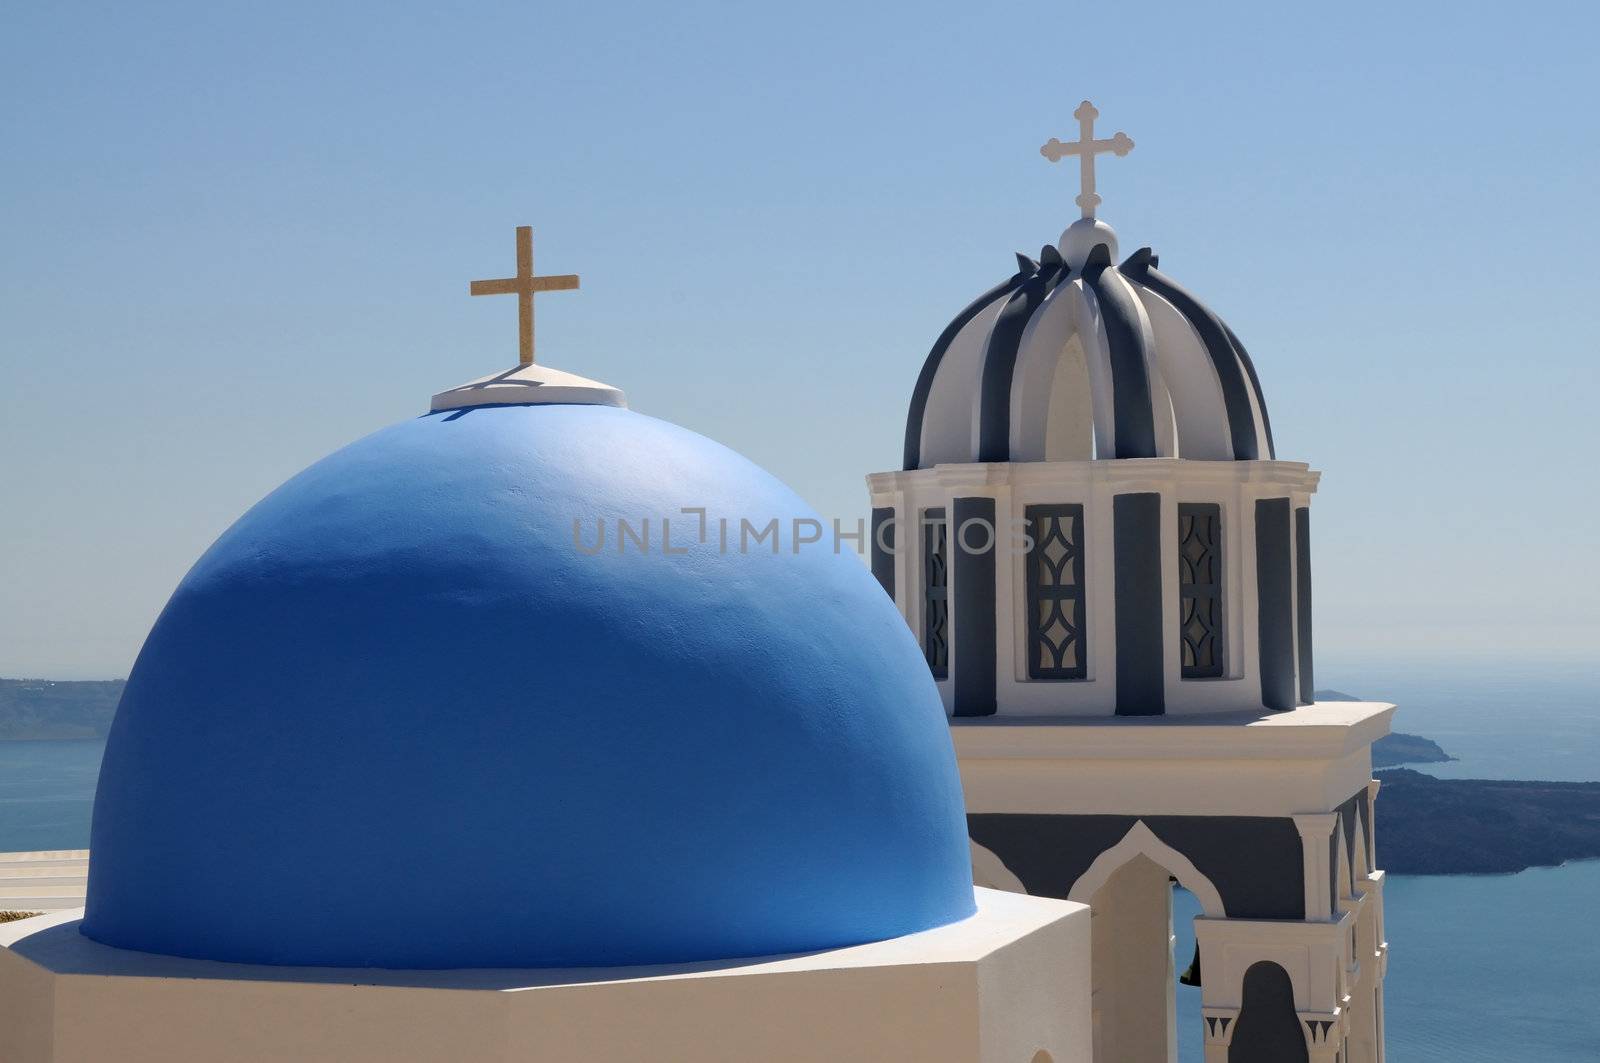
[[995, 988]]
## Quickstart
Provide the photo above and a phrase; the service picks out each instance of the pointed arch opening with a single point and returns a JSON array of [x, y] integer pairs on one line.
[[1128, 888], [1142, 841], [990, 872]]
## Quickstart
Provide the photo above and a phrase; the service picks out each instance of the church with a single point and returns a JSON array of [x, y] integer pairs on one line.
[[412, 767]]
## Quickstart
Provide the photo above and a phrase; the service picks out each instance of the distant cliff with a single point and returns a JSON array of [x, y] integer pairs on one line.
[[1433, 826], [1430, 826], [42, 708], [1395, 749]]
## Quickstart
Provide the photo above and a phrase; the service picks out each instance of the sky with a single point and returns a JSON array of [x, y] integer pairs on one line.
[[234, 237]]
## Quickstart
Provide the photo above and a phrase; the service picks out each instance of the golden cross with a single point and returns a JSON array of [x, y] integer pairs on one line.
[[523, 286], [1086, 147]]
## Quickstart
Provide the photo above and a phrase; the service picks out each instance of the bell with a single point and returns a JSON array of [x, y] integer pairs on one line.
[[1192, 975]]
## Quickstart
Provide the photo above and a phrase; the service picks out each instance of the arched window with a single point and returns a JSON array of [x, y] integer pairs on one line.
[[1268, 1030], [1200, 589], [1056, 627]]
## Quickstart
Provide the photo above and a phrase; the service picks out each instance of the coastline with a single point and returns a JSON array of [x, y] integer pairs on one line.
[[1433, 826]]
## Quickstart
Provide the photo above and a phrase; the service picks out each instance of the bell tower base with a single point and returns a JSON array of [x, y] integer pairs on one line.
[[1268, 819]]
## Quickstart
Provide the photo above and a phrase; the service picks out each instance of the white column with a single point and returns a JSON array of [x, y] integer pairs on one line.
[[1218, 1023], [1008, 563], [1324, 1035], [1372, 817], [1380, 958], [1315, 830], [1361, 1022], [1131, 959], [1310, 952], [1377, 1016]]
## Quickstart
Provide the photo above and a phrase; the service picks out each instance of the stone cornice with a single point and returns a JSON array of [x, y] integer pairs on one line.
[[1324, 731], [1141, 472]]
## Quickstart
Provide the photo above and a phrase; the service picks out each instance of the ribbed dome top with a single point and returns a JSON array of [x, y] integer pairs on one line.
[[1073, 358]]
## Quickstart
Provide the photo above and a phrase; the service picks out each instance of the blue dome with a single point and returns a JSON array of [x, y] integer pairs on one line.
[[396, 717]]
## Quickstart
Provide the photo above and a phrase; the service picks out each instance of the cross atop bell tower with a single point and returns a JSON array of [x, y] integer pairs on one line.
[[1086, 147]]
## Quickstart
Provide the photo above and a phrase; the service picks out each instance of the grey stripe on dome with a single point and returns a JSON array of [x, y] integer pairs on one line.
[[1134, 416], [1255, 384], [1000, 363], [930, 367], [1140, 268]]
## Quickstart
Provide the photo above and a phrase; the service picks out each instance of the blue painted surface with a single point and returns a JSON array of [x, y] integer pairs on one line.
[[394, 717]]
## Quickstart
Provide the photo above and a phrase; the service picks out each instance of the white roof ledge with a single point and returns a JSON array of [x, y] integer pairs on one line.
[[1323, 731]]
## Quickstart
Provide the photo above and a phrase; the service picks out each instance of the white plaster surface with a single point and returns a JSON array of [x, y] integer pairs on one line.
[[1329, 987], [949, 425], [44, 881], [1198, 405], [1000, 987], [1052, 399], [990, 872], [1133, 965], [1141, 844], [528, 385], [1309, 759]]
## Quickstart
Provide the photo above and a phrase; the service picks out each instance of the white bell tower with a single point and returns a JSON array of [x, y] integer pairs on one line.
[[1110, 574]]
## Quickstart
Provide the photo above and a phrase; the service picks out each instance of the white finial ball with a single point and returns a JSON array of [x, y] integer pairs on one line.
[[1081, 237]]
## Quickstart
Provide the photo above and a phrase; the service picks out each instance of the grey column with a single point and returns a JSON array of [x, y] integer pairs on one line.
[[972, 606], [1141, 654], [883, 547], [1275, 597], [1302, 607]]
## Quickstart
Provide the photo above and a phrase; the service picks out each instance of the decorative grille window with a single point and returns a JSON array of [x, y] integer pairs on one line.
[[1056, 644], [1200, 589], [936, 592]]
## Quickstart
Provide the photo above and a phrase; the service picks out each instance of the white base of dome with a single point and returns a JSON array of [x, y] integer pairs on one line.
[[1009, 985], [528, 385]]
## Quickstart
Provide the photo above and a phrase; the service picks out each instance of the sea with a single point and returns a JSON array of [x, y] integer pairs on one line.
[[1481, 968]]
